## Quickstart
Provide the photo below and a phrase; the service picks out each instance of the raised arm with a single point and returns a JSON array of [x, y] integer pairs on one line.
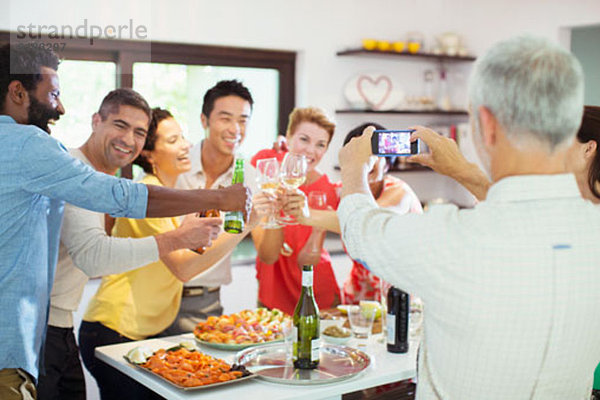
[[165, 202], [186, 264], [295, 204], [445, 158], [58, 175], [97, 254]]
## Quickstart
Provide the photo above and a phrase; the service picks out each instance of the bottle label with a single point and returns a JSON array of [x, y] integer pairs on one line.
[[307, 278], [315, 348], [391, 329]]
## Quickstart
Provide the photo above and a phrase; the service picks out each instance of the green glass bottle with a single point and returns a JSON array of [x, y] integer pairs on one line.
[[306, 324], [234, 220]]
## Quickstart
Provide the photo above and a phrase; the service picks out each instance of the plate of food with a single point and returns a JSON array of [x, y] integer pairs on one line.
[[241, 330], [187, 368]]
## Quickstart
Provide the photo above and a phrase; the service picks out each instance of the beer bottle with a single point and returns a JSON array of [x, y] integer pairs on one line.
[[206, 214], [306, 325], [234, 220], [397, 320]]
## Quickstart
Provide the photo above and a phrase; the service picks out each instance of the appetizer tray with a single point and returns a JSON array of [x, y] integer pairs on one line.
[[207, 372], [273, 363], [238, 331]]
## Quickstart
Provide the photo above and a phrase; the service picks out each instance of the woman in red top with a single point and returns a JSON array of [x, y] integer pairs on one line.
[[282, 251]]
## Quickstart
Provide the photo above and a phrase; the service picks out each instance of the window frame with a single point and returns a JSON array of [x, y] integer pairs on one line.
[[124, 53]]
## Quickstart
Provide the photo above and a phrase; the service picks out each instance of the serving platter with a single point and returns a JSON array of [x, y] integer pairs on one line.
[[273, 363], [246, 375]]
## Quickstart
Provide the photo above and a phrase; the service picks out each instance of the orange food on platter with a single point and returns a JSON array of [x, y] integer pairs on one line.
[[190, 368], [246, 327]]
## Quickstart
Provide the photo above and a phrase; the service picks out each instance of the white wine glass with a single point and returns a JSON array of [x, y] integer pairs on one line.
[[292, 176], [267, 178], [317, 200]]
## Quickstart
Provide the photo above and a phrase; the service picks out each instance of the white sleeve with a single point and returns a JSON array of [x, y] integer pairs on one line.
[[401, 249], [96, 253]]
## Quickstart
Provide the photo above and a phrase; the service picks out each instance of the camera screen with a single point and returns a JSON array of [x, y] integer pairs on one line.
[[394, 143]]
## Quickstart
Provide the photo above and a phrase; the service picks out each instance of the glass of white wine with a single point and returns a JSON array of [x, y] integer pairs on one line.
[[317, 201], [268, 179], [292, 176]]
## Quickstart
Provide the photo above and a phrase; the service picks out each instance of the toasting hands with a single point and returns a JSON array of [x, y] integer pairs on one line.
[[236, 198]]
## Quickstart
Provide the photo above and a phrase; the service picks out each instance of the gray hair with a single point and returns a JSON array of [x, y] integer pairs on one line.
[[533, 87]]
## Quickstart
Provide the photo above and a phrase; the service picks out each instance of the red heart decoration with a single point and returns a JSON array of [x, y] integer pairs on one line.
[[375, 105]]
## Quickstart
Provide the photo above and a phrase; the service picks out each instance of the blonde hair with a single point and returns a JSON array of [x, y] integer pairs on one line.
[[313, 115]]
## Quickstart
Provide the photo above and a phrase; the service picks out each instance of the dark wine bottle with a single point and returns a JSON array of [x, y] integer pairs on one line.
[[234, 220], [397, 320], [306, 325]]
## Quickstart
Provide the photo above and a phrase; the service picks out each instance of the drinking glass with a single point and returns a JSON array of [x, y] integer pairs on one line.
[[267, 178], [287, 329], [361, 323], [318, 201], [292, 175], [383, 292], [415, 326]]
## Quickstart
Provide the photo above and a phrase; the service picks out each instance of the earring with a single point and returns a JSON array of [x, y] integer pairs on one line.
[[154, 170]]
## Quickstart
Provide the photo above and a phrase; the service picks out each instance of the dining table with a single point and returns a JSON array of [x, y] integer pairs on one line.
[[384, 368]]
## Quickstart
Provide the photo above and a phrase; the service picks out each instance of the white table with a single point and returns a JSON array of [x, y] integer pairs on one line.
[[385, 368]]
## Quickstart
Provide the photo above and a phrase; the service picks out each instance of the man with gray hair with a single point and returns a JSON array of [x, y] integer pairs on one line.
[[511, 287]]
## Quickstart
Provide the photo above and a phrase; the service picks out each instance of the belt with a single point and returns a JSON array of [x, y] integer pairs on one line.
[[191, 291]]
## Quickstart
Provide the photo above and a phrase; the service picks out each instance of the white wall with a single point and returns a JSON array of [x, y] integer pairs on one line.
[[316, 29]]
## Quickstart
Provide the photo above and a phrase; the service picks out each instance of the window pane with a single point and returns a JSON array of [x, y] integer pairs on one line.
[[83, 85], [180, 89]]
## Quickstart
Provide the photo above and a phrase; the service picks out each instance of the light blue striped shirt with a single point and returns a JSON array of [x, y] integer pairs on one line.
[[36, 176]]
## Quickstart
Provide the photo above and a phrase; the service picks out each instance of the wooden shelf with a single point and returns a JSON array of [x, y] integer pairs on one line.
[[392, 54], [407, 168], [430, 112]]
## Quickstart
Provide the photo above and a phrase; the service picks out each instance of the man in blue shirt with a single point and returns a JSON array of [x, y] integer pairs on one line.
[[36, 176]]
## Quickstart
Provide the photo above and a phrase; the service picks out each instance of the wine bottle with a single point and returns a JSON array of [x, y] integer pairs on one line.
[[397, 320], [234, 220], [306, 325]]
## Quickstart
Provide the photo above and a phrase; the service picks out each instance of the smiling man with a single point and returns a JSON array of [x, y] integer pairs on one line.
[[37, 177], [119, 130], [226, 112]]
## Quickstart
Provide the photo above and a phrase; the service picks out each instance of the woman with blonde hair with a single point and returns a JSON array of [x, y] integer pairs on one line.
[[282, 251]]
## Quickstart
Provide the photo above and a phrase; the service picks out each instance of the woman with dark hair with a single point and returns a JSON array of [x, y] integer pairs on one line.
[[583, 158]]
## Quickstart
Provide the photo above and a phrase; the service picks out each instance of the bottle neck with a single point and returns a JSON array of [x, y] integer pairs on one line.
[[307, 277], [238, 172]]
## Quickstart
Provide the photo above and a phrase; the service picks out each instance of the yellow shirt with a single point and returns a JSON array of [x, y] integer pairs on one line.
[[142, 302]]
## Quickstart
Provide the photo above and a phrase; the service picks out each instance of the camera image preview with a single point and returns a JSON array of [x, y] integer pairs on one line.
[[394, 143]]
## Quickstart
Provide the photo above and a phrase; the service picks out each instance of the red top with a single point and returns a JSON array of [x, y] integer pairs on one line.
[[279, 284]]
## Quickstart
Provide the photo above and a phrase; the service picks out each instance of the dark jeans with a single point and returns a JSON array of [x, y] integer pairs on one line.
[[63, 378], [112, 383]]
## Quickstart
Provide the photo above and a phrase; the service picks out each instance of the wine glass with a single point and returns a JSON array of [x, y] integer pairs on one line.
[[268, 179], [292, 175], [317, 201]]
